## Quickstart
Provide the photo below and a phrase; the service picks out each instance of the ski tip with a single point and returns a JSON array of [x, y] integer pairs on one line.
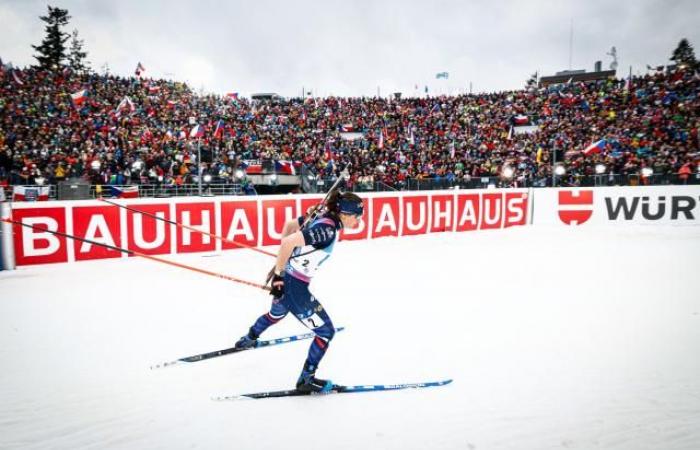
[[223, 398]]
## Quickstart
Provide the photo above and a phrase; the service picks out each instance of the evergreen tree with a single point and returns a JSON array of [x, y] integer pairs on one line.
[[77, 57], [684, 54], [52, 50]]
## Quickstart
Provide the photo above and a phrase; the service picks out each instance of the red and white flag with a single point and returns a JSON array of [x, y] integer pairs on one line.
[[381, 140], [125, 106], [139, 69], [197, 132], [124, 191], [79, 97], [30, 193], [18, 80]]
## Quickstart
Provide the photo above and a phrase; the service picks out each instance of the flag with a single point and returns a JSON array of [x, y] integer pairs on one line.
[[411, 137], [124, 191], [595, 147], [539, 155], [381, 139], [521, 120], [444, 75], [328, 154], [30, 193], [285, 167], [79, 97], [232, 95], [219, 130], [126, 105], [153, 89], [18, 80], [347, 128], [139, 69], [197, 132]]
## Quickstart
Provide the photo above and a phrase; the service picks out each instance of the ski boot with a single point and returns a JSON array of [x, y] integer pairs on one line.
[[307, 381], [250, 340]]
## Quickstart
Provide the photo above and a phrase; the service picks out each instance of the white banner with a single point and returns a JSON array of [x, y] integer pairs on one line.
[[654, 205]]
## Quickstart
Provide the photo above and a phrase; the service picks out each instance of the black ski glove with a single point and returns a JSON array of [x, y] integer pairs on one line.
[[277, 285]]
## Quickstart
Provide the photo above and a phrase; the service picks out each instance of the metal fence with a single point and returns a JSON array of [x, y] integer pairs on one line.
[[185, 190], [429, 184]]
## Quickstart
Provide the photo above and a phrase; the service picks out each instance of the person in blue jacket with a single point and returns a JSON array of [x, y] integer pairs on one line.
[[301, 253]]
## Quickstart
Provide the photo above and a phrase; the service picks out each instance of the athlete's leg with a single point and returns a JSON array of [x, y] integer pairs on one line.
[[276, 313]]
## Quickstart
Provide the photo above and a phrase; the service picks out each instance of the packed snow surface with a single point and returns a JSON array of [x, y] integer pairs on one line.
[[555, 338]]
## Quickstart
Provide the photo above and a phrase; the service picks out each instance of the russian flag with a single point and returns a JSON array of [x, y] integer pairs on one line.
[[197, 132], [79, 97], [595, 147], [124, 191]]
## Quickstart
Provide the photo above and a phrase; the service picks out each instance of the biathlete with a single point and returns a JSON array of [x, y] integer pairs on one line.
[[302, 251]]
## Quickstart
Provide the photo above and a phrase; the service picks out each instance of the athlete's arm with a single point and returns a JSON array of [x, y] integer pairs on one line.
[[290, 227], [296, 239]]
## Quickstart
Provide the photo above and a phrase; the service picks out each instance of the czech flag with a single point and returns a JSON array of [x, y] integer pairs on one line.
[[197, 132], [79, 97], [124, 191], [219, 130], [285, 167], [595, 147]]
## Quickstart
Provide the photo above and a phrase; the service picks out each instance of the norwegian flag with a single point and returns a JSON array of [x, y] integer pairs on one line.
[[219, 130], [232, 95], [79, 97], [347, 128], [139, 69]]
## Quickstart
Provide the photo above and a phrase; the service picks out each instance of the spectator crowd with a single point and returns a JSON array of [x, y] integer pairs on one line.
[[114, 130]]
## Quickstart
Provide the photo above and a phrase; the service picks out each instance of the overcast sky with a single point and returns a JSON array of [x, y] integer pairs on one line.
[[355, 48]]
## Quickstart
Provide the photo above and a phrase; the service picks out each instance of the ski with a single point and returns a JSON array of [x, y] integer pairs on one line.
[[228, 351], [338, 389]]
